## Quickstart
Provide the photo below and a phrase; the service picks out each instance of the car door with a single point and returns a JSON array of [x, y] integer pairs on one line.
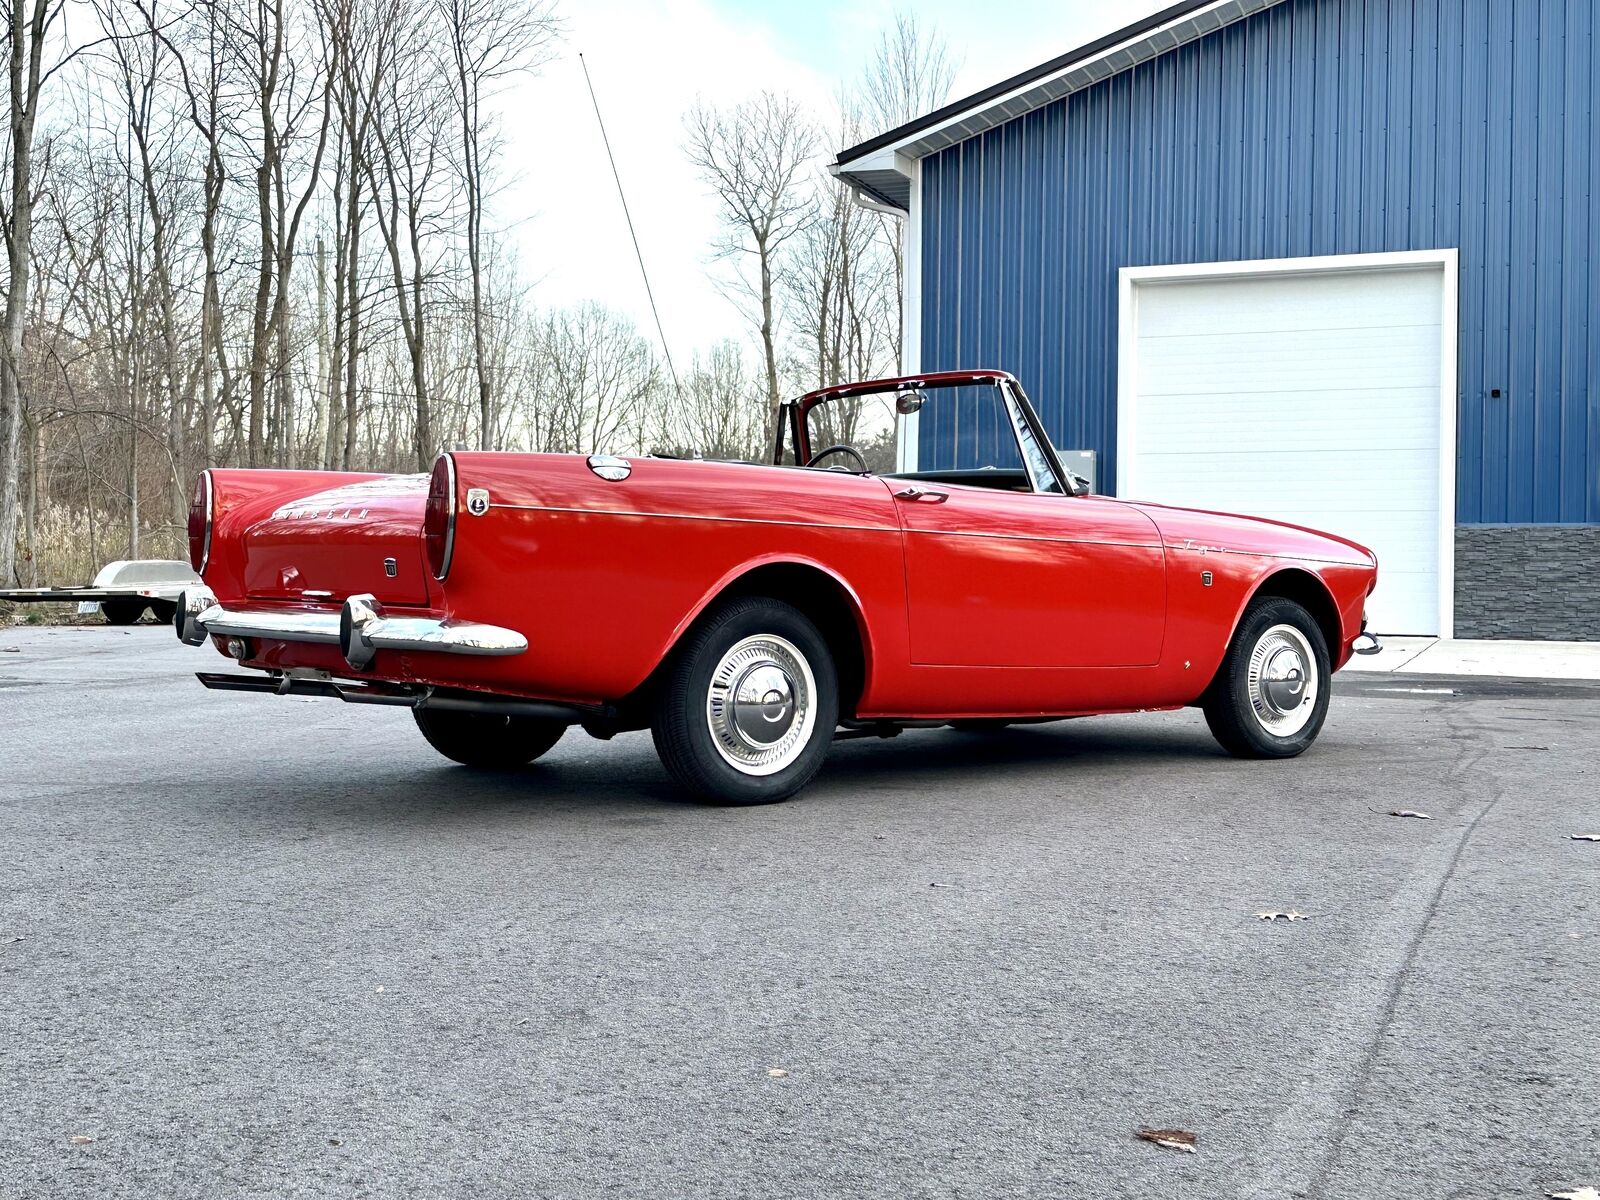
[[1023, 579]]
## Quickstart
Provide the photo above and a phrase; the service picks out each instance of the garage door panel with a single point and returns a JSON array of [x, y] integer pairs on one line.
[[1293, 480], [1308, 398], [1348, 301], [1244, 362], [1325, 420]]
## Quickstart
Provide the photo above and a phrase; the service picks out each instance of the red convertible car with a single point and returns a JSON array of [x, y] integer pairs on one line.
[[750, 614]]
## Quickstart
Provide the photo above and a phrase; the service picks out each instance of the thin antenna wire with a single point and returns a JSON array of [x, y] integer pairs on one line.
[[637, 253]]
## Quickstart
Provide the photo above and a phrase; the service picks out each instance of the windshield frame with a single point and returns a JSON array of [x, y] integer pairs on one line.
[[1019, 410]]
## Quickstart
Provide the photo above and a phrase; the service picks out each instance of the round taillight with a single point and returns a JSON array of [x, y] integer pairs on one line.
[[200, 523], [439, 516]]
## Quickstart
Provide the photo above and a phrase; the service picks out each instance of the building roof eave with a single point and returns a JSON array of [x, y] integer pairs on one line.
[[872, 165]]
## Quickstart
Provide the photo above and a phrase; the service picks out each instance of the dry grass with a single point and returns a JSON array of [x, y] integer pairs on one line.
[[66, 552]]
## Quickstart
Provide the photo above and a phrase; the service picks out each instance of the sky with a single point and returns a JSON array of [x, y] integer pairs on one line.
[[651, 60]]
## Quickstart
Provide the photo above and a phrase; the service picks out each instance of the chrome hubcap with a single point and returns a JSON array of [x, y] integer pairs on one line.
[[761, 705], [1282, 680]]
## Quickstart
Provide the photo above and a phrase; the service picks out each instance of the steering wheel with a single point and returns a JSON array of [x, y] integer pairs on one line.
[[838, 448]]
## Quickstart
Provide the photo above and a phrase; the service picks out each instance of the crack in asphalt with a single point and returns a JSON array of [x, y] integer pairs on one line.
[[1312, 1131]]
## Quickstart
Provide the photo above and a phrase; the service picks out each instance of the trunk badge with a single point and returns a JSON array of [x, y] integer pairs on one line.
[[609, 466], [477, 501]]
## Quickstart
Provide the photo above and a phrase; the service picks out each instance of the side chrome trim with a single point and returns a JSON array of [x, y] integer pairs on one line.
[[620, 512], [360, 629]]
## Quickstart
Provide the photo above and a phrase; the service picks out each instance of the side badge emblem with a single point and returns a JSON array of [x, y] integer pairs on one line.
[[477, 501], [609, 466]]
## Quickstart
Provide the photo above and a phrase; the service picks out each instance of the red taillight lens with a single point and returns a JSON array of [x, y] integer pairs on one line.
[[439, 517], [200, 522]]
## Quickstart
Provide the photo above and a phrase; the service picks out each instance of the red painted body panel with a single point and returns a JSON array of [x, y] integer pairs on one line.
[[992, 603], [1065, 581]]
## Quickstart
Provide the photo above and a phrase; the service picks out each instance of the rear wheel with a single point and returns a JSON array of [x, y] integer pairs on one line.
[[487, 740], [749, 704], [122, 612], [163, 611], [1270, 696]]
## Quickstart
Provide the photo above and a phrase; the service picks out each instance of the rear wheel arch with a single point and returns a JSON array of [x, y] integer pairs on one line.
[[825, 599]]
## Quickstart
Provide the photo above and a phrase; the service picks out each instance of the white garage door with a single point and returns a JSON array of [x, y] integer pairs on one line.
[[1311, 397]]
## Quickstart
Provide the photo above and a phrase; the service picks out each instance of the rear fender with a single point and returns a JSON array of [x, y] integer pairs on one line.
[[732, 583]]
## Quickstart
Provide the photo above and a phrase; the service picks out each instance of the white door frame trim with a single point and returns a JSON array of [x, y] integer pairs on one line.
[[911, 315], [1131, 279]]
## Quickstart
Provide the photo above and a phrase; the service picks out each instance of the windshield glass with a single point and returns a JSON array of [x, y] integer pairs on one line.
[[964, 428]]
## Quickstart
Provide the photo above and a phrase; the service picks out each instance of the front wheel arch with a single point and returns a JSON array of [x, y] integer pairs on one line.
[[1306, 590]]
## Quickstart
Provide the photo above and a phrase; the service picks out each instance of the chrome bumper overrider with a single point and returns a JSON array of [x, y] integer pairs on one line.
[[360, 629]]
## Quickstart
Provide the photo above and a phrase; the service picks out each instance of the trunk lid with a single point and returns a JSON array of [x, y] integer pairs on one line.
[[331, 544]]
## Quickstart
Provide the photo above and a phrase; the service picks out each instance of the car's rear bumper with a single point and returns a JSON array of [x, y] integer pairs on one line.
[[360, 629]]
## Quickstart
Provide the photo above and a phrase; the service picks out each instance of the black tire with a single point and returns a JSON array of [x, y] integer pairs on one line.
[[122, 612], [487, 741], [1254, 715], [163, 611], [762, 644]]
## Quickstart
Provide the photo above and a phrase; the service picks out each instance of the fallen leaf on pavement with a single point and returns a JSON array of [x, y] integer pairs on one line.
[[1583, 1193], [1584, 837], [1527, 747], [79, 1139], [778, 1073], [1291, 915], [1171, 1139], [10, 649], [944, 885], [1405, 812]]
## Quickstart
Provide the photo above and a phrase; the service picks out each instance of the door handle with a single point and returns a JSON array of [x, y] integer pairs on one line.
[[927, 497]]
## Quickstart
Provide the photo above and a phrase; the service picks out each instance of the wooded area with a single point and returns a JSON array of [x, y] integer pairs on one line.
[[262, 233]]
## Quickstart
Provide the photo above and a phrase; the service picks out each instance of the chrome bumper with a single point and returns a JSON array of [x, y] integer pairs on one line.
[[360, 629]]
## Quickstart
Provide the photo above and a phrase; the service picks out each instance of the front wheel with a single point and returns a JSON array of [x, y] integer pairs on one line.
[[489, 741], [749, 704], [1270, 696]]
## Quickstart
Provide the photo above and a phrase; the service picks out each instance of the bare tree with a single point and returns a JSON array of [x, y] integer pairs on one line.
[[910, 73], [754, 157], [490, 40], [404, 166], [28, 27]]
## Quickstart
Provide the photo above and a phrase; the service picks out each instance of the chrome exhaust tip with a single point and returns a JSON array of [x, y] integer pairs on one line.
[[186, 620], [355, 621]]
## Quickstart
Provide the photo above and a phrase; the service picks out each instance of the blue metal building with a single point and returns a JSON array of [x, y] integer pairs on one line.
[[1184, 222]]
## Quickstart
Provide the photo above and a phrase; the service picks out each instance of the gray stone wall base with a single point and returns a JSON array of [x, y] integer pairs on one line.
[[1527, 581]]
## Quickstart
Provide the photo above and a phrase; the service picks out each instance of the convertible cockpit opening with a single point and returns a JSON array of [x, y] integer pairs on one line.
[[969, 429]]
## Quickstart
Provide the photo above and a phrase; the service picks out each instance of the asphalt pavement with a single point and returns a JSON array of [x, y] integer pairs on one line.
[[265, 947]]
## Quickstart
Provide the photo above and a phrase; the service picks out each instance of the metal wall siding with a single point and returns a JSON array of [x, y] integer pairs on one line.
[[1314, 127]]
